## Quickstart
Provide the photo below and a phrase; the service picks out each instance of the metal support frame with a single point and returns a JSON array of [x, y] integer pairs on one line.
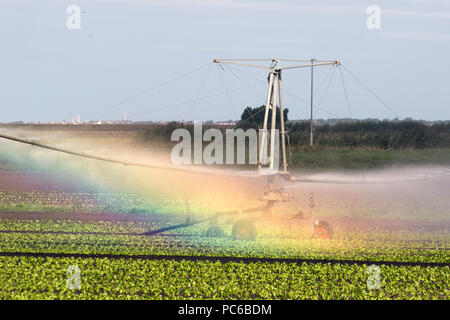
[[266, 117], [311, 133], [273, 92], [283, 132], [274, 96]]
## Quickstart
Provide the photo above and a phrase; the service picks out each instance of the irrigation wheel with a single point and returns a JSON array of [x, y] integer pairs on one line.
[[322, 230], [244, 230], [215, 232]]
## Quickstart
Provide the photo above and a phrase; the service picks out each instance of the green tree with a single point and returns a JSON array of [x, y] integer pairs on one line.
[[254, 117]]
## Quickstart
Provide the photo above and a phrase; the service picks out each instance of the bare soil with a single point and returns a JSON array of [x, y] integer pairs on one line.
[[36, 181], [45, 182]]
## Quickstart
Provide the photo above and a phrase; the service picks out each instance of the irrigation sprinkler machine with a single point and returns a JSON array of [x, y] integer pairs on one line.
[[274, 181]]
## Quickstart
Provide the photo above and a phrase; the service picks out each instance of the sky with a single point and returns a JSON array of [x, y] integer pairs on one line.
[[152, 59]]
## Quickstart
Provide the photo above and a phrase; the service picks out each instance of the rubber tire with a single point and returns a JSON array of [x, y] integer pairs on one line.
[[244, 230], [215, 232], [323, 230]]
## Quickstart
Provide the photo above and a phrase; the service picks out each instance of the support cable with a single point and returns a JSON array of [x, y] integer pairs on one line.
[[244, 82], [345, 91], [330, 79], [226, 90], [199, 93], [247, 86], [189, 101], [116, 104], [370, 91], [285, 91]]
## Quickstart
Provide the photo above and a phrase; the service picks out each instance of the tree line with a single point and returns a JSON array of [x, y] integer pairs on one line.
[[389, 135], [385, 134]]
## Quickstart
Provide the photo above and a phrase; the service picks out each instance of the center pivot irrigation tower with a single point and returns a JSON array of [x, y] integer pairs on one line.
[[273, 93]]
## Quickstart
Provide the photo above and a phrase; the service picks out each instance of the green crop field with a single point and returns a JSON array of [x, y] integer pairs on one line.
[[45, 278], [115, 262]]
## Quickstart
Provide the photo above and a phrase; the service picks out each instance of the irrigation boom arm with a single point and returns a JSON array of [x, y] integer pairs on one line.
[[275, 62], [111, 160], [311, 65], [445, 172]]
